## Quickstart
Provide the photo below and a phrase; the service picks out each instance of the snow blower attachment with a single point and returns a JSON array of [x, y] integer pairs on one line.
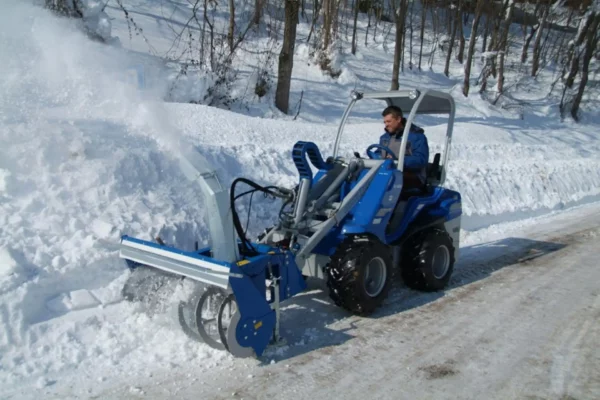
[[350, 224]]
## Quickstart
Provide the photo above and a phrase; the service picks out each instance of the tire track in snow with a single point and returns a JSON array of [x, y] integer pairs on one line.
[[565, 355]]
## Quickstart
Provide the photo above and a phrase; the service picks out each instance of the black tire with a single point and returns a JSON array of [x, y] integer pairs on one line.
[[194, 318], [219, 296], [348, 270], [428, 260]]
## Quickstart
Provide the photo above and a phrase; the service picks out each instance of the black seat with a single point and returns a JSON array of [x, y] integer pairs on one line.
[[434, 172]]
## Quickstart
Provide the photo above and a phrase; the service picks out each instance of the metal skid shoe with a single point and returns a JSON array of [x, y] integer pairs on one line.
[[274, 288]]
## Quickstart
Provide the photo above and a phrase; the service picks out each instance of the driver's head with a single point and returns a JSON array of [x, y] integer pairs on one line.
[[392, 118]]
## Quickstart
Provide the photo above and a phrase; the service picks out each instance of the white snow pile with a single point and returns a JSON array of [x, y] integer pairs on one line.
[[85, 158]]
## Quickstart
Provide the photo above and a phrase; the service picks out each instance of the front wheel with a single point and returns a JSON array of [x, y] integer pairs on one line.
[[428, 260], [359, 275]]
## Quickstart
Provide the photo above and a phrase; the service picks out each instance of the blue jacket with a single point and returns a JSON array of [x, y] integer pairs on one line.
[[416, 157]]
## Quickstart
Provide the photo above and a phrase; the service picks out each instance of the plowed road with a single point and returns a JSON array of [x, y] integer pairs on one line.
[[520, 321]]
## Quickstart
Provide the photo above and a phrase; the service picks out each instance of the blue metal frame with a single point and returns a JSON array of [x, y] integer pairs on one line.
[[373, 212], [370, 215]]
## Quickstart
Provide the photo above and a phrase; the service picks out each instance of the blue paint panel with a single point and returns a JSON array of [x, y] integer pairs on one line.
[[372, 213], [414, 207], [255, 313], [442, 203], [250, 292]]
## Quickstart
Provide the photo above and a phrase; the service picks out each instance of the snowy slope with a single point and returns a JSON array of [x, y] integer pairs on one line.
[[86, 157]]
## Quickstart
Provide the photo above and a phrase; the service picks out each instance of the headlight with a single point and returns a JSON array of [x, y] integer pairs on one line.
[[355, 95]]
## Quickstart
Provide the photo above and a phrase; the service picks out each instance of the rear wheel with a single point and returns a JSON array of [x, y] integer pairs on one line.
[[359, 275], [428, 260]]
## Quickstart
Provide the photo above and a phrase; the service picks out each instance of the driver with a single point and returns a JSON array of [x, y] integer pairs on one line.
[[417, 148]]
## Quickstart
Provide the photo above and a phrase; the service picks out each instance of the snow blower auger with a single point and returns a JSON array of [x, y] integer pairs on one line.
[[350, 223]]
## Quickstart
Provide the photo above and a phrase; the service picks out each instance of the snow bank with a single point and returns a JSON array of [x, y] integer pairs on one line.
[[84, 158], [79, 166]]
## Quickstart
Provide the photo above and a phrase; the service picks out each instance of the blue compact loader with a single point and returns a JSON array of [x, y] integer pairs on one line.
[[347, 221]]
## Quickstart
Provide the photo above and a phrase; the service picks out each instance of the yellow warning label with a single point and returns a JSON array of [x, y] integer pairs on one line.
[[242, 262], [257, 325]]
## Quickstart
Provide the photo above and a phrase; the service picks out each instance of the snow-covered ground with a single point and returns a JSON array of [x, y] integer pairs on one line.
[[85, 157]]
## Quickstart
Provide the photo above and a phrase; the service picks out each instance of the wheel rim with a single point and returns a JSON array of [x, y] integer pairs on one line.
[[375, 276], [440, 262]]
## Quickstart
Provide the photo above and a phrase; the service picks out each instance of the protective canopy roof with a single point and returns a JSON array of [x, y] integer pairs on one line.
[[433, 102]]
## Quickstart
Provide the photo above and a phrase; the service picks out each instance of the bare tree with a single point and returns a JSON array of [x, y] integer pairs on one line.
[[335, 9], [354, 27], [286, 57], [591, 44], [503, 43], [316, 11], [436, 30], [538, 39], [461, 38], [486, 33], [369, 12], [231, 25], [574, 45], [400, 22], [423, 15], [472, 39], [328, 6], [457, 22], [530, 36], [258, 5], [410, 53]]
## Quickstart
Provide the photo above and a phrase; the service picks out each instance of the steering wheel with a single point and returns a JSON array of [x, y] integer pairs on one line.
[[380, 147]]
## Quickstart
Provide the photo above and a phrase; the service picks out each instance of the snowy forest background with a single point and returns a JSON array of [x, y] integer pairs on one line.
[[502, 47]]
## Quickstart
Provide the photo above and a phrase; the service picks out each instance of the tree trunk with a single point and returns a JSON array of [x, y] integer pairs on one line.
[[377, 13], [502, 44], [286, 57], [368, 26], [448, 19], [316, 12], [471, 50], [397, 55], [326, 23], [590, 45], [538, 40], [452, 37], [526, 44], [334, 18], [461, 38], [354, 27], [231, 25], [558, 53], [486, 33], [528, 38], [258, 11], [398, 46], [410, 62], [501, 72], [213, 65], [403, 12], [573, 58], [423, 14]]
